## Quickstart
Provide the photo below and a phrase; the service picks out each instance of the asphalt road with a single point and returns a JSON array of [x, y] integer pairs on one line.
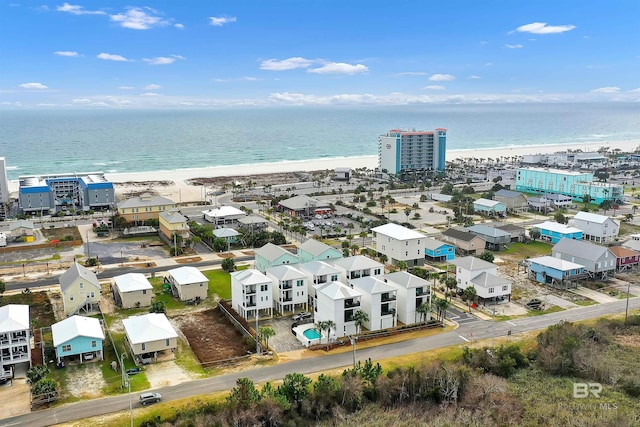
[[468, 331]]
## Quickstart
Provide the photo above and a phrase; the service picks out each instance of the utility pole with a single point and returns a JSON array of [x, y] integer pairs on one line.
[[353, 340], [626, 311], [258, 346], [493, 325]]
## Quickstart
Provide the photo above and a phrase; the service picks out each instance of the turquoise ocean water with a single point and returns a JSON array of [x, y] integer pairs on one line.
[[57, 141]]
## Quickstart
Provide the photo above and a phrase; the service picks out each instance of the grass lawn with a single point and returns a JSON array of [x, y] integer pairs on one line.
[[585, 302], [220, 282], [170, 303], [553, 309], [531, 249]]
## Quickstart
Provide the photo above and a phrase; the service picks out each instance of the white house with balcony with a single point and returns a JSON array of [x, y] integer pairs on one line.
[[15, 346], [337, 302], [289, 288], [378, 301], [251, 293], [399, 243], [596, 228], [412, 291], [357, 266], [319, 273], [483, 275]]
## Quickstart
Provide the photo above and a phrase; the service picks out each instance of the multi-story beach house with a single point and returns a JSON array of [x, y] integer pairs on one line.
[[319, 273], [358, 266], [337, 302], [315, 250], [554, 231], [412, 291], [224, 216], [289, 288], [569, 183], [597, 260], [271, 255], [495, 238], [80, 288], [412, 151], [173, 227], [251, 293], [15, 347], [514, 200], [464, 241], [596, 228], [63, 192], [626, 259], [435, 250], [378, 300], [146, 206], [399, 243], [490, 207], [150, 335], [483, 275]]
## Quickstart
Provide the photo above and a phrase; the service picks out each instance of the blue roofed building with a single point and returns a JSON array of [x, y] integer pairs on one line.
[[554, 231], [555, 271], [435, 250], [78, 336], [55, 193]]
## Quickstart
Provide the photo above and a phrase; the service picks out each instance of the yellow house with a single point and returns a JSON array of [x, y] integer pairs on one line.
[[173, 222], [143, 207], [80, 290]]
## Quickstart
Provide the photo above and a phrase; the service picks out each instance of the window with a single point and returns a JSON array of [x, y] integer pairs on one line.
[[81, 285], [300, 283], [334, 277], [144, 292], [264, 288], [94, 344], [491, 290], [66, 347], [505, 288], [70, 297], [144, 346], [166, 342]]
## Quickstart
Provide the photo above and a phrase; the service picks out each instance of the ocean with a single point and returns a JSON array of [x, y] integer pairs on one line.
[[117, 141]]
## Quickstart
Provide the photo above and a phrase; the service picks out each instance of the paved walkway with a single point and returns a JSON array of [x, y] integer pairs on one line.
[[598, 297]]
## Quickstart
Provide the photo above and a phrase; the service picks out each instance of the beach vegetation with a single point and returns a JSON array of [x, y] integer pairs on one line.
[[228, 265], [487, 256]]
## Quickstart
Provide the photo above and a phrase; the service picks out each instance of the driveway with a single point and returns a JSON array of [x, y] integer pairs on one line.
[[594, 295], [552, 299], [283, 340]]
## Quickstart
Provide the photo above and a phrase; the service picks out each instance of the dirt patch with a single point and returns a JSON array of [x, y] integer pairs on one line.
[[85, 381], [211, 336], [62, 234], [628, 340], [147, 187], [249, 253], [15, 399], [259, 180], [188, 260], [165, 374], [227, 255], [41, 310], [107, 303]]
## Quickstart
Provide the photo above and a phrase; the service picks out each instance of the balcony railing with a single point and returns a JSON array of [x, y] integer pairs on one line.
[[250, 304], [421, 291], [386, 312], [249, 291], [387, 297], [351, 303], [286, 286], [289, 299]]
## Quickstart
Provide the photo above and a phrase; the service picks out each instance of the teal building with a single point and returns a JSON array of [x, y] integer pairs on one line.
[[401, 151], [570, 183]]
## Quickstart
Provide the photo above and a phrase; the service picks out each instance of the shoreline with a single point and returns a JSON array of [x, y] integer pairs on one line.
[[180, 188]]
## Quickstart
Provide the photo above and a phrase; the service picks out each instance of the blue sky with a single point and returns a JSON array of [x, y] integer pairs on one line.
[[112, 54]]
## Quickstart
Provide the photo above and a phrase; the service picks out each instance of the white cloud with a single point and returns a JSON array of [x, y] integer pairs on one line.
[[543, 28], [179, 26], [78, 10], [81, 101], [513, 46], [285, 64], [137, 18], [152, 86], [434, 87], [111, 57], [160, 60], [474, 77], [339, 68], [243, 78], [442, 78], [219, 21], [65, 53], [637, 90], [126, 87], [150, 94], [606, 89], [33, 85]]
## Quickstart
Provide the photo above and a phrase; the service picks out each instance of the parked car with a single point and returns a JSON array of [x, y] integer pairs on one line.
[[146, 398], [133, 371], [302, 316]]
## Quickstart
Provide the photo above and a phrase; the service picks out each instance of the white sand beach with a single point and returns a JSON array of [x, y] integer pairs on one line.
[[180, 190]]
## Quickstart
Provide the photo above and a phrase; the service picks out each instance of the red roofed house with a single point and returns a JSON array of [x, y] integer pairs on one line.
[[626, 258]]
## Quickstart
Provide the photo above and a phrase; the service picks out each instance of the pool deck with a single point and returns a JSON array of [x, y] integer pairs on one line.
[[300, 330]]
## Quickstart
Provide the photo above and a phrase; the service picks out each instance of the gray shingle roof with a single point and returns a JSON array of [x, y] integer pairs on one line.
[[75, 272], [488, 231], [314, 247], [472, 263], [579, 248], [433, 244], [271, 252], [145, 200], [406, 280], [508, 193], [286, 272], [465, 236], [488, 280], [300, 202]]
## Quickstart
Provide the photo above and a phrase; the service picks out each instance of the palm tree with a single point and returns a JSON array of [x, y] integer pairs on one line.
[[360, 317], [321, 326], [442, 305], [330, 324], [402, 265], [423, 309], [363, 234], [469, 294], [267, 332], [407, 212]]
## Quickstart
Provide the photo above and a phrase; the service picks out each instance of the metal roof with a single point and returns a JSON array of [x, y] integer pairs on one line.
[[555, 263], [591, 217], [272, 252], [472, 263], [314, 247], [286, 272], [488, 280], [580, 249], [145, 200], [76, 326], [433, 244], [187, 275], [148, 327], [406, 280], [14, 317], [557, 227], [251, 277], [338, 291], [398, 232], [488, 231], [371, 285], [508, 193], [357, 262], [318, 268], [132, 282]]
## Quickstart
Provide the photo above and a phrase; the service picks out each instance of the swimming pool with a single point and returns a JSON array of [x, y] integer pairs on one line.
[[312, 334]]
